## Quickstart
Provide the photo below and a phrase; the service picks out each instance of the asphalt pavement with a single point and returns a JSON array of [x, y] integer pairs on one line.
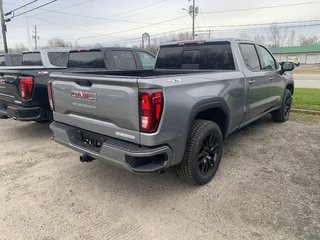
[[306, 80]]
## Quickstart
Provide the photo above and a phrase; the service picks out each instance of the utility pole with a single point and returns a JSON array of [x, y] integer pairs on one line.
[[193, 18], [193, 12], [3, 29], [36, 37]]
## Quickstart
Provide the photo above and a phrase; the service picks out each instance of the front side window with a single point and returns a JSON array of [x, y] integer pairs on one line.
[[123, 60], [147, 60], [59, 59], [250, 56], [267, 61]]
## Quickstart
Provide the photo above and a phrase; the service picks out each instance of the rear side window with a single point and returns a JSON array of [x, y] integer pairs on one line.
[[250, 56], [86, 59], [212, 56], [59, 59], [123, 60], [31, 59], [2, 61], [16, 60], [147, 60]]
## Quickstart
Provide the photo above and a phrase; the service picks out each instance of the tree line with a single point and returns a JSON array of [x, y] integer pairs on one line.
[[276, 36]]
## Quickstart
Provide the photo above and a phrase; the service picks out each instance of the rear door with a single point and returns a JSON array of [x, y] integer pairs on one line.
[[257, 83]]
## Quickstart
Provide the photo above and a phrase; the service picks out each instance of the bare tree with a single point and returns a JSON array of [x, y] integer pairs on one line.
[[310, 40], [291, 38], [260, 38], [244, 35], [19, 48], [58, 42], [277, 35]]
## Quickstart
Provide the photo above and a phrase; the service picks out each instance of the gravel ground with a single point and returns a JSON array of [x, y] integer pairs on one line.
[[267, 187]]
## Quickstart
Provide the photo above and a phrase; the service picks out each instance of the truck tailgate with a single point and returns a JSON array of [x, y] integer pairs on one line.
[[101, 104]]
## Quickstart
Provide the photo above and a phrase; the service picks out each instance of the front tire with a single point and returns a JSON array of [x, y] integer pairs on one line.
[[282, 114], [203, 153]]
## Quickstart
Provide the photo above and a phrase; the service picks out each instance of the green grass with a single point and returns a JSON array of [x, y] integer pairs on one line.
[[306, 98]]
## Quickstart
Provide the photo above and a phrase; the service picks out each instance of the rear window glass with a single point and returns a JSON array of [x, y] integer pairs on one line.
[[213, 56], [16, 60], [59, 59], [123, 60], [86, 59], [31, 59], [2, 61]]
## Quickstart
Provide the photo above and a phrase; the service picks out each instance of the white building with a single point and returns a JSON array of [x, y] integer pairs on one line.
[[301, 54]]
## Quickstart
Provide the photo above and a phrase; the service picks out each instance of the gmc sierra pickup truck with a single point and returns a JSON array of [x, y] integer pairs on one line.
[[23, 91], [175, 115], [23, 88]]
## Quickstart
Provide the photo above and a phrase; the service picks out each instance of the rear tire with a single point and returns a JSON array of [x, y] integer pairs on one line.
[[203, 153], [282, 114]]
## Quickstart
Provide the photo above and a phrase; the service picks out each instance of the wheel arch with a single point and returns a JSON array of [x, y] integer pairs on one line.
[[216, 111], [290, 86]]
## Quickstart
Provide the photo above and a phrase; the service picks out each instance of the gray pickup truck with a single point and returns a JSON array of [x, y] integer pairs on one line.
[[175, 115]]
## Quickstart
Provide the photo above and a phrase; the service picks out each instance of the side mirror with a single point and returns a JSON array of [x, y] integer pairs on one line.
[[286, 67]]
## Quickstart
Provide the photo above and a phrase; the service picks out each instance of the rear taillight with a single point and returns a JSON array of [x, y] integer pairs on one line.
[[50, 96], [26, 87], [151, 104]]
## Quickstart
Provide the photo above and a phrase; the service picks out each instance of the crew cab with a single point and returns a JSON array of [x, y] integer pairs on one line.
[[23, 90], [176, 115]]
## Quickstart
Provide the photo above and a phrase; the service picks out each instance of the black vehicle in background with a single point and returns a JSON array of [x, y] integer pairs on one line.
[[23, 90]]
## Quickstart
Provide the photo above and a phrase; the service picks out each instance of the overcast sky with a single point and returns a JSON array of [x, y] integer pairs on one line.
[[123, 21]]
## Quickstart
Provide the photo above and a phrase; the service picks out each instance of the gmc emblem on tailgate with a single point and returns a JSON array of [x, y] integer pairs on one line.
[[88, 96]]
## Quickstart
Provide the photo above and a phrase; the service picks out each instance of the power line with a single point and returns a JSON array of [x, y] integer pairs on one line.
[[109, 18], [27, 4], [132, 29], [258, 24], [255, 29], [35, 8], [101, 18], [227, 30], [65, 26], [259, 8]]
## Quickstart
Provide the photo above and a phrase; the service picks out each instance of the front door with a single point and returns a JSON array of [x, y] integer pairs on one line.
[[257, 83]]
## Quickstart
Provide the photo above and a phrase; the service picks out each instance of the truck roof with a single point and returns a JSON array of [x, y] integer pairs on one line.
[[48, 50], [103, 49], [231, 40]]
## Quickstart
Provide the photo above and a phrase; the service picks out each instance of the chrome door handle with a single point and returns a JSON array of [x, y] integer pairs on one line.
[[271, 78], [251, 81]]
